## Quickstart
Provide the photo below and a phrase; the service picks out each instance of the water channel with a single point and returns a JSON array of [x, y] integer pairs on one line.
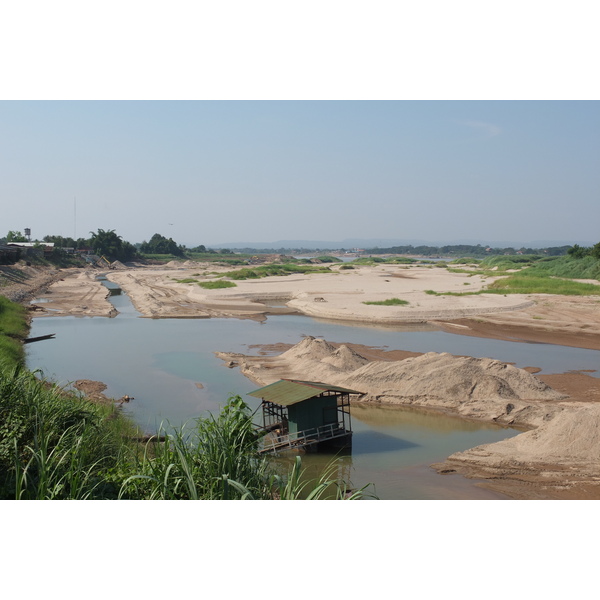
[[169, 367]]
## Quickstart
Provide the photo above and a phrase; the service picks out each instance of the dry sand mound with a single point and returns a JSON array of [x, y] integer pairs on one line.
[[472, 387], [309, 348], [560, 454], [452, 377], [345, 359], [563, 455]]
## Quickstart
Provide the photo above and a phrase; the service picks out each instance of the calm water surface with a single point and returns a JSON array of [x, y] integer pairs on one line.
[[169, 367]]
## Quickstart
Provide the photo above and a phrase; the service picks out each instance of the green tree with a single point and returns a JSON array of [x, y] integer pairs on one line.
[[60, 242], [111, 245], [577, 251], [159, 244], [15, 236]]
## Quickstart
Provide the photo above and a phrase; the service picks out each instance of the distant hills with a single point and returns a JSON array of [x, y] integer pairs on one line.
[[349, 243]]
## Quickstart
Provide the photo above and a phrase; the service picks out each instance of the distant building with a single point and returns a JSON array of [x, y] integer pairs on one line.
[[32, 248]]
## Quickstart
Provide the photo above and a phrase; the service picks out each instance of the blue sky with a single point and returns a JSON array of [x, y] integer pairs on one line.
[[210, 172]]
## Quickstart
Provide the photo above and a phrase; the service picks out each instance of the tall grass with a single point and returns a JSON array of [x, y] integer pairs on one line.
[[529, 283], [218, 460], [13, 322], [296, 486], [53, 445]]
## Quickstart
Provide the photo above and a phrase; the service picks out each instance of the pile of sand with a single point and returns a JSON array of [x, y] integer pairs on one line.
[[345, 359], [562, 456], [479, 388], [475, 387], [558, 457], [309, 349]]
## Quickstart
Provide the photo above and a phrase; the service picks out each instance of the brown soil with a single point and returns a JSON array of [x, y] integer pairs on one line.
[[93, 390], [21, 283], [563, 320]]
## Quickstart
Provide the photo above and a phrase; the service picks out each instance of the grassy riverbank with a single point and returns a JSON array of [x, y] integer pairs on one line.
[[58, 445], [13, 330], [533, 274]]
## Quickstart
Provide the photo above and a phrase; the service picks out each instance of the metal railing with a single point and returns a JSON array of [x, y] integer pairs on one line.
[[306, 437]]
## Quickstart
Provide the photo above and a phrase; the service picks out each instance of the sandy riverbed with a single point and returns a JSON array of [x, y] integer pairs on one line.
[[159, 293], [557, 458]]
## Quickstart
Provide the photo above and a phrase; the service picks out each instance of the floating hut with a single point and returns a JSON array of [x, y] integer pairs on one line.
[[305, 415]]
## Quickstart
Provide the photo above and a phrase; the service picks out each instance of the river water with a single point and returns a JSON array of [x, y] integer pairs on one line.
[[169, 367]]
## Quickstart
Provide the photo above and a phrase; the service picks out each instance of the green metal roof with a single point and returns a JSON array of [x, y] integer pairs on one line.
[[290, 391]]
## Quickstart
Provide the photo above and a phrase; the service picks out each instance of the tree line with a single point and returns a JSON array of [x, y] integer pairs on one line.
[[460, 250], [111, 245]]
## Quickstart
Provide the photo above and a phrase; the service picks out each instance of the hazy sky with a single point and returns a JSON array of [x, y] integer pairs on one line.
[[210, 172]]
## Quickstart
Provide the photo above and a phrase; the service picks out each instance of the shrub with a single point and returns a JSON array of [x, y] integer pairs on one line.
[[389, 302], [216, 285]]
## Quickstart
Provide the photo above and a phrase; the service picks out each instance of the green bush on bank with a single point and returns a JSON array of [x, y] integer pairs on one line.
[[388, 302], [13, 329], [273, 270], [216, 285]]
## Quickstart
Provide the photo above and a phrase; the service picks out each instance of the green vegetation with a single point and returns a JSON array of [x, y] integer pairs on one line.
[[389, 302], [546, 275], [273, 270], [111, 245], [159, 244], [58, 445], [577, 251], [537, 274], [217, 461], [466, 250], [13, 329], [529, 283], [327, 259], [395, 260], [216, 285], [15, 236], [468, 272], [163, 258], [187, 280], [55, 446]]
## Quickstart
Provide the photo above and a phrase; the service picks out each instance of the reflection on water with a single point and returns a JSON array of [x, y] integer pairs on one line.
[[370, 441], [160, 362], [414, 418]]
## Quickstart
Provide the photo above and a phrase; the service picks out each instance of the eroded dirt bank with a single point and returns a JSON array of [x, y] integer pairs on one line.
[[558, 457]]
